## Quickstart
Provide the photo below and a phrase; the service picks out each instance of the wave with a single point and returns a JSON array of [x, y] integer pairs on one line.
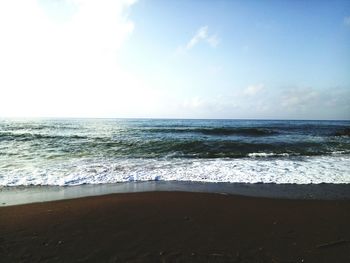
[[262, 154], [9, 136], [218, 131], [143, 147], [209, 149], [314, 170], [230, 149], [342, 132], [38, 127], [313, 130]]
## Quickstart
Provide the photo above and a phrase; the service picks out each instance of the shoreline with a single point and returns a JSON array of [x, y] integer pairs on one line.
[[33, 194], [176, 227]]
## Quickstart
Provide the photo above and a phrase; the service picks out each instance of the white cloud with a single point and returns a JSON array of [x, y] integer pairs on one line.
[[312, 103], [195, 103], [298, 98], [280, 103], [252, 90], [202, 35], [207, 107], [68, 66], [347, 20]]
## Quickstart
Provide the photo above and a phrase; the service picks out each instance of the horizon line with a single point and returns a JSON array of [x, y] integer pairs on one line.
[[165, 118]]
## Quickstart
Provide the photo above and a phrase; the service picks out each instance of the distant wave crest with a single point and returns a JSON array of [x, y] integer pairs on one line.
[[9, 136], [218, 131]]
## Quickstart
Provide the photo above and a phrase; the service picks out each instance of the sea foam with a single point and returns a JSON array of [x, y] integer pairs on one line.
[[305, 170]]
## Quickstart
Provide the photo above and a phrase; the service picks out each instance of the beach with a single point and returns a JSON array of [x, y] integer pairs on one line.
[[176, 227], [173, 190], [174, 131]]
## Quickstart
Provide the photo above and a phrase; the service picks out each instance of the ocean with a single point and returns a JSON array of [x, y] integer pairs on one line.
[[68, 152]]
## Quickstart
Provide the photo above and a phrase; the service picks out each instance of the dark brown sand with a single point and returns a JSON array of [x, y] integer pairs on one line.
[[176, 227]]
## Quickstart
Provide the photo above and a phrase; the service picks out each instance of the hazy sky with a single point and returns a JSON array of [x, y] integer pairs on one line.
[[175, 59]]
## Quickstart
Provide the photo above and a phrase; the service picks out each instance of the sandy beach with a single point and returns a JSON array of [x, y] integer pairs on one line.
[[176, 227]]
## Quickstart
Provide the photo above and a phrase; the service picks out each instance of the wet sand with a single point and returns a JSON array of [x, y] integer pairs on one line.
[[176, 227]]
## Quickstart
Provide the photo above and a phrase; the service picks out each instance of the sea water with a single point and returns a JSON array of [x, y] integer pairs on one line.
[[96, 151]]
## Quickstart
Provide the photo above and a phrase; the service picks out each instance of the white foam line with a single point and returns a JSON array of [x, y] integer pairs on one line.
[[319, 169]]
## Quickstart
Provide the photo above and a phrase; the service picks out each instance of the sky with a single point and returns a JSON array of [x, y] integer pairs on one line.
[[175, 59]]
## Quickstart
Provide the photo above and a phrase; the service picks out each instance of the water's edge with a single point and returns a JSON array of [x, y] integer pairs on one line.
[[33, 194]]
